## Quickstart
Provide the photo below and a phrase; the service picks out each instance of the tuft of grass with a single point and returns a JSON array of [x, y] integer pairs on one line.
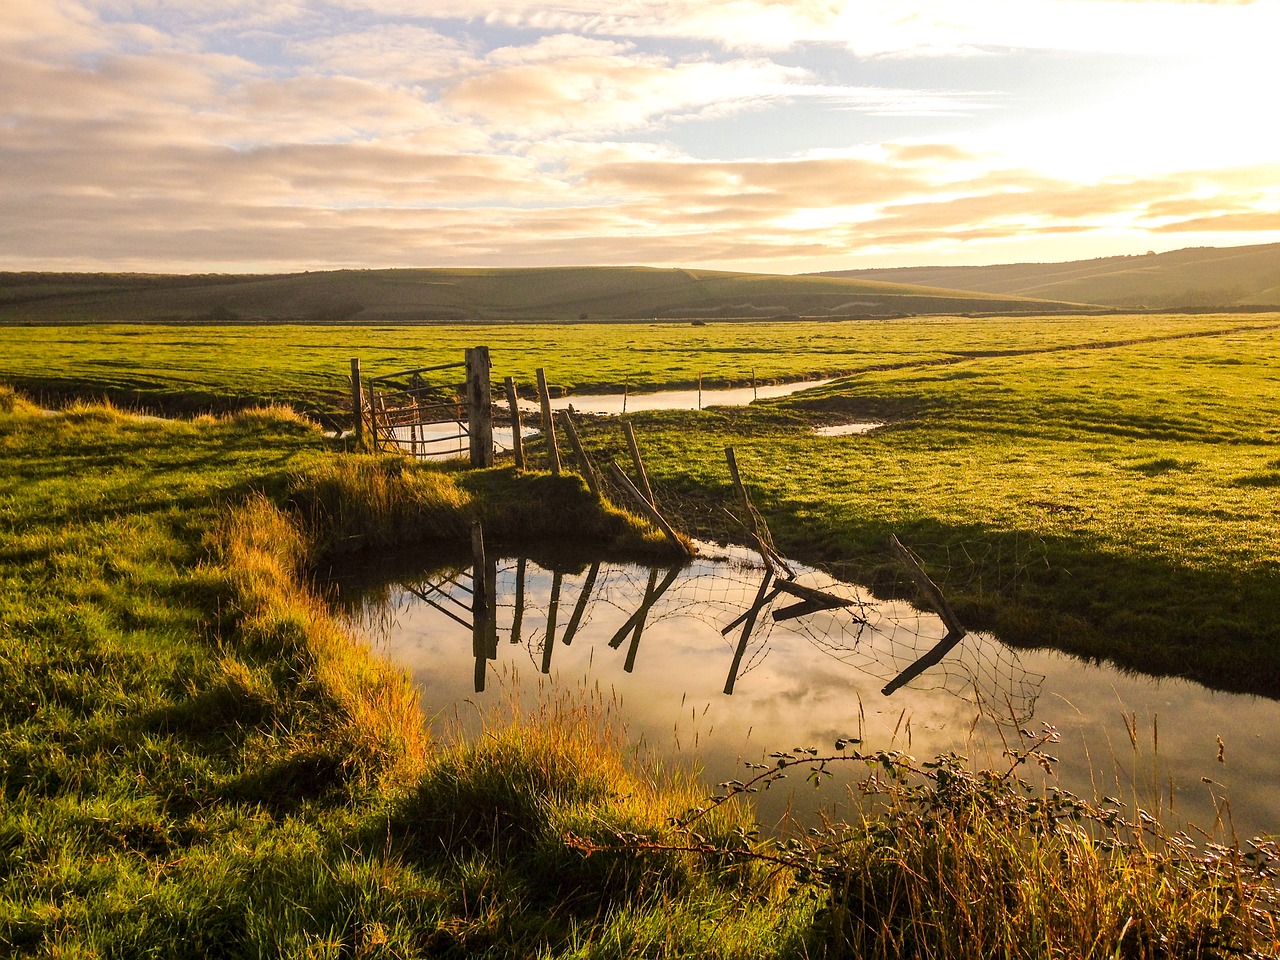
[[361, 502]]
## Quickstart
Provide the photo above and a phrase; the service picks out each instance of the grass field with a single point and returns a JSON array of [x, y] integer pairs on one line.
[[196, 759], [185, 369]]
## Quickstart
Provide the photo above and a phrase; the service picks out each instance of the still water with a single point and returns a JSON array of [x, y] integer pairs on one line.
[[714, 664], [448, 439]]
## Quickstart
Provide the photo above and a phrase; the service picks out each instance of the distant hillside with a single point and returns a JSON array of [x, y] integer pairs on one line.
[[1195, 277], [568, 293]]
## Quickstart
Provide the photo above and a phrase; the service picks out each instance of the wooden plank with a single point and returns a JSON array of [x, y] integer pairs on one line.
[[479, 407], [752, 521], [548, 422], [357, 400]]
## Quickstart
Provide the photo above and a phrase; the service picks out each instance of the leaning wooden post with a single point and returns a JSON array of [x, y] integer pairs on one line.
[[635, 458], [753, 520], [647, 508], [517, 441], [588, 468], [927, 586], [479, 407], [357, 400], [548, 424]]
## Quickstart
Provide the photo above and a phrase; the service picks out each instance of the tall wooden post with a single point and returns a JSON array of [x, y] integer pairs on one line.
[[548, 423], [357, 400], [479, 407]]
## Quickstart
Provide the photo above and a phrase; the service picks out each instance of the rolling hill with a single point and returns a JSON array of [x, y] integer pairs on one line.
[[407, 295], [1194, 277]]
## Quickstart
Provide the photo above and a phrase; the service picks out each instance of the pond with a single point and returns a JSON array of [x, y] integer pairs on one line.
[[717, 662]]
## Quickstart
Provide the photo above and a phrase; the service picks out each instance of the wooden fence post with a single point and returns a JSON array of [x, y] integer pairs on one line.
[[588, 468], [647, 508], [357, 400], [641, 475], [479, 407], [548, 423], [517, 441]]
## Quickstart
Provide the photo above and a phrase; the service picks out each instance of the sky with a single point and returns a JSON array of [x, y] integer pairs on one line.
[[777, 136]]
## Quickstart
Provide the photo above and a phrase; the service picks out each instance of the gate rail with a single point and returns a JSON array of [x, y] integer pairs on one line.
[[420, 418]]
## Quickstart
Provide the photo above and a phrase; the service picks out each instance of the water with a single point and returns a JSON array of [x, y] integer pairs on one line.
[[448, 439], [669, 654], [846, 429]]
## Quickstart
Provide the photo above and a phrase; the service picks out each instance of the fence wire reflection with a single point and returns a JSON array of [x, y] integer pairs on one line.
[[728, 603]]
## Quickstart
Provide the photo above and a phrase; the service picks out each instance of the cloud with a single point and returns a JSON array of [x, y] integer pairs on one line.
[[885, 27], [393, 52]]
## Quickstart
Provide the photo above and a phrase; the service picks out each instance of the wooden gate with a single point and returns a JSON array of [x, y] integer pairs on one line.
[[429, 413]]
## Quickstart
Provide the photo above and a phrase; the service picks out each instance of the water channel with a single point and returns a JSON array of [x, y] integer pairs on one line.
[[712, 664], [448, 439]]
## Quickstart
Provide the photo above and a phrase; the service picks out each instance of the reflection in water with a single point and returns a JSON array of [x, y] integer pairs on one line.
[[717, 662]]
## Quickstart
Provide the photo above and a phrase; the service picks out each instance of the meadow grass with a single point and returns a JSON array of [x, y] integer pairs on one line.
[[186, 369]]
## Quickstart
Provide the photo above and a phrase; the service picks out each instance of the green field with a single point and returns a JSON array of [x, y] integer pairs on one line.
[[196, 759], [186, 369]]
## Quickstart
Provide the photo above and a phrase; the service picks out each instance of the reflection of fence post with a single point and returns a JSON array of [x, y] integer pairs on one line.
[[588, 468], [517, 618], [357, 401], [479, 407], [517, 441], [479, 606], [553, 612], [548, 424], [641, 475], [955, 632], [581, 607]]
